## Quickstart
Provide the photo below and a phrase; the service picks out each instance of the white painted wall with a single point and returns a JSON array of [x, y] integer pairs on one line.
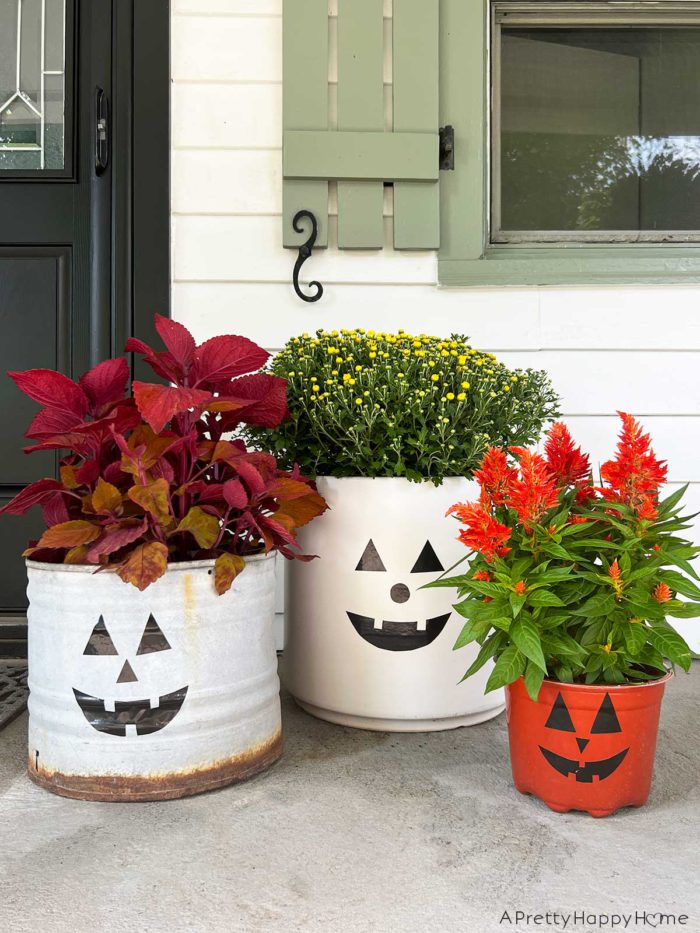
[[636, 349]]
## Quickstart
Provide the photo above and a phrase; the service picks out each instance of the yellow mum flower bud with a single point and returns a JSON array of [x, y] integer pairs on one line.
[[435, 377], [451, 396], [466, 385], [373, 355], [358, 401], [461, 397]]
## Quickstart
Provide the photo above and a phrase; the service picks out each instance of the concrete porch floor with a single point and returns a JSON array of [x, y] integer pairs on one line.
[[352, 831]]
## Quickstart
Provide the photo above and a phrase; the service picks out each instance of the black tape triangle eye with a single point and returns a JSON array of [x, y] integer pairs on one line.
[[100, 642], [427, 560], [370, 559], [606, 720], [152, 639], [560, 718]]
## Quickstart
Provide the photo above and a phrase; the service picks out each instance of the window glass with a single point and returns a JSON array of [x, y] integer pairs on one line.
[[32, 84], [596, 129]]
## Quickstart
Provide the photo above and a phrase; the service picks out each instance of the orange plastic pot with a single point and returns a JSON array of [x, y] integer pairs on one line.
[[585, 747]]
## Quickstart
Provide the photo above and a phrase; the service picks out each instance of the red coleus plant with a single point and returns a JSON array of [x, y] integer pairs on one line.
[[573, 581], [154, 477]]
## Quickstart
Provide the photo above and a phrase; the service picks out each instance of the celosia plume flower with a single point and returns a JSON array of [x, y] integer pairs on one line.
[[482, 532], [495, 477], [535, 492], [483, 575], [635, 475], [520, 588], [662, 593], [569, 465]]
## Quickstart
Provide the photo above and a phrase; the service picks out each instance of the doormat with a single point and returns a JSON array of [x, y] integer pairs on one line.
[[13, 690]]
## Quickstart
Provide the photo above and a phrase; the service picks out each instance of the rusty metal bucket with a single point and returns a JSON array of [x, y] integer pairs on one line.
[[153, 695]]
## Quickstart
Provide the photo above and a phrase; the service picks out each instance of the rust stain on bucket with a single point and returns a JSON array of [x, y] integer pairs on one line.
[[119, 788]]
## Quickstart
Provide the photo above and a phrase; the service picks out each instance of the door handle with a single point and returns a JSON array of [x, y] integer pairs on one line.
[[102, 131]]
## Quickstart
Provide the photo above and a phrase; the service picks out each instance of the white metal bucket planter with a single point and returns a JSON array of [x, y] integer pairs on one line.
[[152, 695], [365, 646]]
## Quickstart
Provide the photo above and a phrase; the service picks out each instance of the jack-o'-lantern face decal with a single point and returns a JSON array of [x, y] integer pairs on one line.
[[129, 717], [605, 723], [392, 634]]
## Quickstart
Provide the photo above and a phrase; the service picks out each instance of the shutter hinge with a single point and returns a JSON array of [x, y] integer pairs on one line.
[[447, 148]]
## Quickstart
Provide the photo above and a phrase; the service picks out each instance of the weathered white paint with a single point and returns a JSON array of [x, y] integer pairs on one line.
[[339, 673], [606, 347], [218, 678]]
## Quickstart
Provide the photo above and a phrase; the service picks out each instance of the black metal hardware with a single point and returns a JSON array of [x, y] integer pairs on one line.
[[304, 253], [447, 148], [101, 131]]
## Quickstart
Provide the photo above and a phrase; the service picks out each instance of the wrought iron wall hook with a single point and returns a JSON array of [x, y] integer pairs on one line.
[[304, 253]]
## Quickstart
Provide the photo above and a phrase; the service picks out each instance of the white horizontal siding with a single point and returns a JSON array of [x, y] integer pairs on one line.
[[235, 248], [634, 348]]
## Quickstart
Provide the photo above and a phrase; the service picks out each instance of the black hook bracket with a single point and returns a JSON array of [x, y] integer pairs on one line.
[[304, 253]]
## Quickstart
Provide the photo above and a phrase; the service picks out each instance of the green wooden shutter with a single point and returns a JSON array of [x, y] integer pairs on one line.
[[361, 154]]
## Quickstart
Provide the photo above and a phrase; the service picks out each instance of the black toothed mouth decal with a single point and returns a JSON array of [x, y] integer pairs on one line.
[[584, 772], [398, 636], [138, 713]]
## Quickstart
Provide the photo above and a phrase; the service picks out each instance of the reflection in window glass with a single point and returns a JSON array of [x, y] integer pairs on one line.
[[600, 129], [32, 84]]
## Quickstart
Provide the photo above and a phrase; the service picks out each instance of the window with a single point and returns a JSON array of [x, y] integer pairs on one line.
[[587, 168], [32, 85]]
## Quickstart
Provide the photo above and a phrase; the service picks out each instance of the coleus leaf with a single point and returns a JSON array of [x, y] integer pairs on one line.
[[235, 494], [203, 527], [106, 383], [158, 404], [261, 400], [221, 359], [163, 364], [115, 538], [144, 565], [52, 390], [154, 498], [226, 569], [294, 513], [69, 534], [178, 340], [34, 494], [55, 510], [106, 498]]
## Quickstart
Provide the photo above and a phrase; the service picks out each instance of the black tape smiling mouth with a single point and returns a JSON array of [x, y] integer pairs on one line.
[[586, 772], [136, 713], [398, 636]]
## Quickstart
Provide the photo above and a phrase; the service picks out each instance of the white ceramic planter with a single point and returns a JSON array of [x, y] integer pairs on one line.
[[153, 695], [368, 647]]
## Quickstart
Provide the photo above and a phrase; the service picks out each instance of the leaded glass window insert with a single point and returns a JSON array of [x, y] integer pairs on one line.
[[32, 85]]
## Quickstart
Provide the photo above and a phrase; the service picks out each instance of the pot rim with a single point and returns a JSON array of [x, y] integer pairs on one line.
[[607, 688], [172, 567], [403, 479]]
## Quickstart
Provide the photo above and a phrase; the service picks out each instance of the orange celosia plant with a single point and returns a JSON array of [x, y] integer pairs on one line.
[[571, 580]]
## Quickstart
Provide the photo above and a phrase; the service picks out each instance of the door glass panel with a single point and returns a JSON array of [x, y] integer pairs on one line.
[[598, 130], [32, 85]]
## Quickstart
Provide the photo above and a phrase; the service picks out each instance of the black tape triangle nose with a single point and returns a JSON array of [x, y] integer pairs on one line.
[[582, 743], [127, 675]]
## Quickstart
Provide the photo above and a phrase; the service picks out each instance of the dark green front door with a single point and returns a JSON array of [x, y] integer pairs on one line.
[[83, 131]]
